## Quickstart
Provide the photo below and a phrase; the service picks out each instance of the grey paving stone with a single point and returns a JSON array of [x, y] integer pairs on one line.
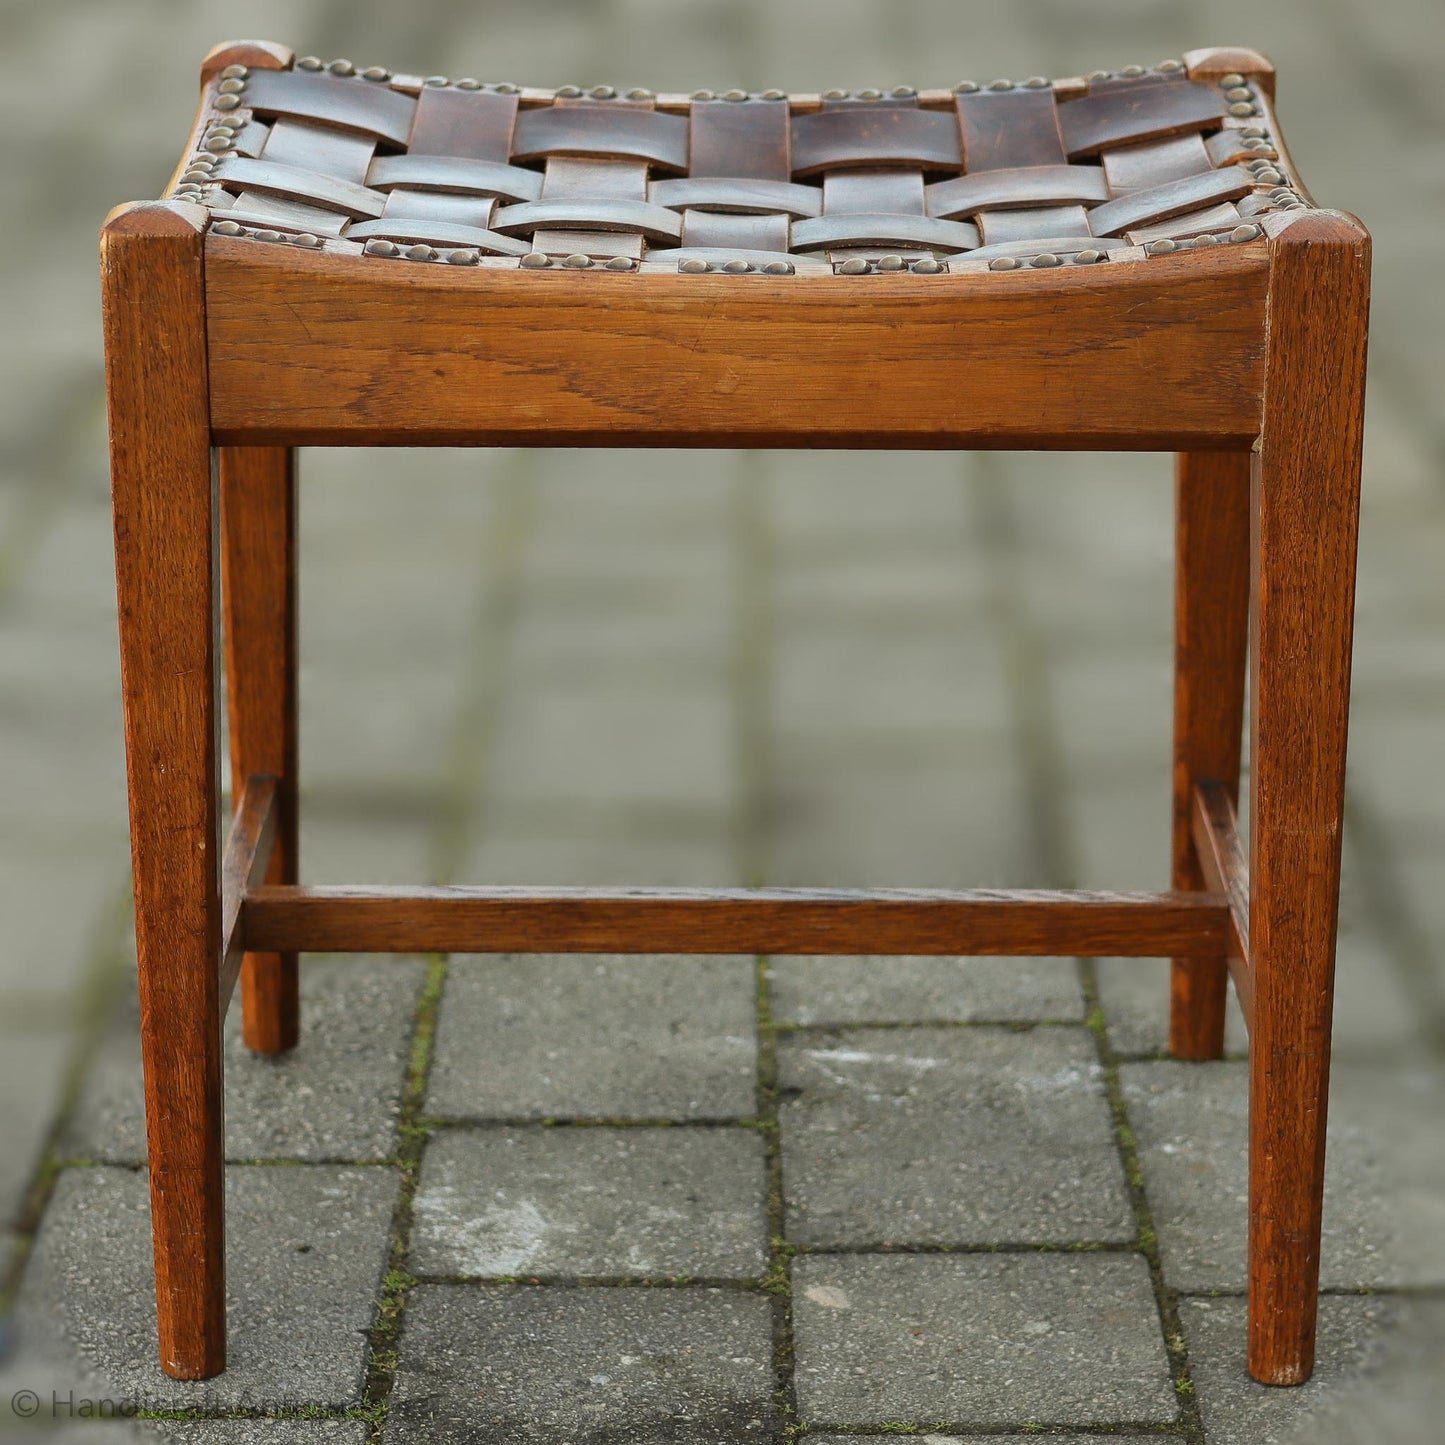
[[939, 1438], [336, 1096], [1376, 1376], [305, 1252], [994, 1339], [845, 819], [32, 1073], [867, 990], [596, 1036], [579, 853], [592, 1202], [686, 1366], [261, 1432], [949, 1136], [1384, 1213], [1134, 994]]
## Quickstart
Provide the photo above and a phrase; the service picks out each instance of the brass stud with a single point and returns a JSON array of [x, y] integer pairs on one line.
[[1000, 84], [903, 92], [774, 95], [1256, 145], [1036, 82], [1233, 78], [227, 228], [1239, 92], [966, 87], [891, 263], [737, 267], [419, 253], [1087, 258], [693, 266], [1004, 263], [535, 261], [341, 67], [778, 268], [376, 72], [836, 94], [1204, 240], [227, 102], [735, 95], [1161, 248], [569, 92], [463, 257], [1268, 176], [381, 248], [218, 143], [1094, 76], [234, 86], [928, 266], [870, 94], [638, 93], [1044, 260], [704, 95], [1241, 107], [306, 238], [268, 235], [1254, 132], [603, 92], [436, 81], [621, 263], [854, 266], [1169, 67], [235, 72], [1248, 232], [577, 261], [310, 62], [197, 173], [505, 87], [469, 82], [1132, 72]]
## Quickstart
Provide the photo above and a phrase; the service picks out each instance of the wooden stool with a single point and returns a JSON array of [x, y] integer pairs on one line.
[[1123, 260]]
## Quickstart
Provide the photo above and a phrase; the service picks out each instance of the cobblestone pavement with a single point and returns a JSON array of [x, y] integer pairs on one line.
[[599, 1199]]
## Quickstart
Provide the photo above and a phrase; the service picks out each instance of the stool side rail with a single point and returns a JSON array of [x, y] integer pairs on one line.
[[312, 349], [1225, 865], [1019, 922]]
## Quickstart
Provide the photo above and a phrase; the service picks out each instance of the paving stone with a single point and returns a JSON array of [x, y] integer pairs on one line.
[[32, 1074], [935, 1438], [1134, 994], [949, 1136], [814, 990], [596, 1036], [593, 1202], [846, 819], [336, 1096], [1376, 1376], [305, 1252], [520, 1364], [262, 1432], [585, 855], [991, 1339], [1384, 1212]]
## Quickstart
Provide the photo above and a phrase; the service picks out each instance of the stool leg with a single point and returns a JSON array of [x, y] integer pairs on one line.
[[1306, 506], [1211, 631], [258, 579], [163, 492]]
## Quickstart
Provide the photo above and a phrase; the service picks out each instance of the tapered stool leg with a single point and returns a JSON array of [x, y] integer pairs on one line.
[[1306, 504], [1211, 633], [164, 499], [258, 572]]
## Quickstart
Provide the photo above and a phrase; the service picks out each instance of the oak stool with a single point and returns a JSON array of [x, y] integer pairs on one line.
[[1126, 259]]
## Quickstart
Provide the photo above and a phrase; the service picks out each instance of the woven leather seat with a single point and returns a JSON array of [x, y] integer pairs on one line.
[[1103, 168]]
